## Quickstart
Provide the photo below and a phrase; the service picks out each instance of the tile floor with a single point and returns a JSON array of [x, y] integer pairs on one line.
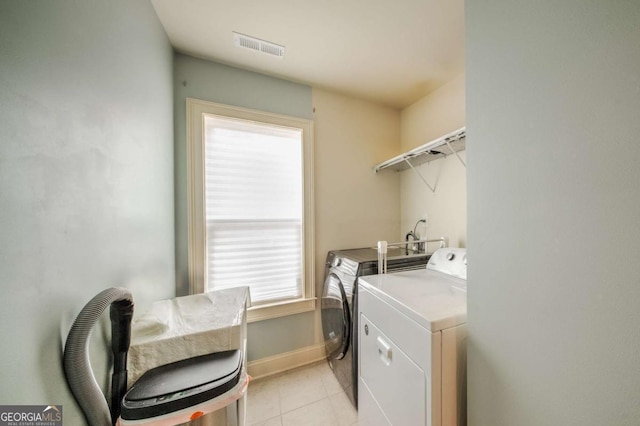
[[306, 396]]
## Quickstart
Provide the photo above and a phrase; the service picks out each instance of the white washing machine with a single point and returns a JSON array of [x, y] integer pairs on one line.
[[412, 344]]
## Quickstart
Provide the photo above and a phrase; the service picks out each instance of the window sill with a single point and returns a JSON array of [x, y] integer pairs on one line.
[[276, 310]]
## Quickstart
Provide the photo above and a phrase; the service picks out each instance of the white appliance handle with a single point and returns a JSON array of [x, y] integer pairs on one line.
[[384, 350]]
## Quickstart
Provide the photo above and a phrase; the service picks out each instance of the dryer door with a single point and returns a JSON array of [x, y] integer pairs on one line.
[[336, 318]]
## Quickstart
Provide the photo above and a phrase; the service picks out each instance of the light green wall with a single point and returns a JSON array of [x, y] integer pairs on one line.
[[210, 81], [86, 177], [553, 118]]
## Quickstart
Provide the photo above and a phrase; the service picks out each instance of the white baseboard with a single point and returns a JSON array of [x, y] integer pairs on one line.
[[268, 366]]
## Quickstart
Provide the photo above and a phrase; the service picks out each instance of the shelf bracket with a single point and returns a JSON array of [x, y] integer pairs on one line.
[[433, 189], [455, 152]]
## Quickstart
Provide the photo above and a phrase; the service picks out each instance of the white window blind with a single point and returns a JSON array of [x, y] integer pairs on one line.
[[253, 176]]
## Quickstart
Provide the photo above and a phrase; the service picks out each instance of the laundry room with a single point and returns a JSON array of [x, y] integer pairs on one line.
[[383, 145]]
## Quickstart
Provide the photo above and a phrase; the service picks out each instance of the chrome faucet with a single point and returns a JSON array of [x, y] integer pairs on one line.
[[415, 247], [406, 239]]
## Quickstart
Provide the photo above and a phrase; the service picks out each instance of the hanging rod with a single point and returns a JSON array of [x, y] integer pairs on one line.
[[455, 141]]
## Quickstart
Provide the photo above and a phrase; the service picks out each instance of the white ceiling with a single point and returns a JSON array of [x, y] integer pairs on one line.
[[390, 52]]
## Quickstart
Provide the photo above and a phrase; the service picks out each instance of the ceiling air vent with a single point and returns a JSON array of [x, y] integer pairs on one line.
[[272, 49]]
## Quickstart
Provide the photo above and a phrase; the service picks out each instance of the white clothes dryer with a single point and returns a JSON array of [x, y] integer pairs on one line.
[[412, 344]]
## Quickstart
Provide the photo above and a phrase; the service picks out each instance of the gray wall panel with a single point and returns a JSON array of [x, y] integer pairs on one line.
[[86, 178], [553, 97]]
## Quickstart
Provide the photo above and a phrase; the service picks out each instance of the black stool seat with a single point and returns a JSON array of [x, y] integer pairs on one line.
[[182, 384]]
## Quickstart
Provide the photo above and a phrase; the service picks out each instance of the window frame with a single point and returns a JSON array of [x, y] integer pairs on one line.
[[196, 109]]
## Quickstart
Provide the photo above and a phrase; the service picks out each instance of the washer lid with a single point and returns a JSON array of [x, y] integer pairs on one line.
[[433, 299]]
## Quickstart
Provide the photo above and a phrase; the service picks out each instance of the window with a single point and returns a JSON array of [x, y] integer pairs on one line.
[[250, 206]]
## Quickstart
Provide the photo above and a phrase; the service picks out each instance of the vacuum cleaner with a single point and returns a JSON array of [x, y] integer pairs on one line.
[[168, 394]]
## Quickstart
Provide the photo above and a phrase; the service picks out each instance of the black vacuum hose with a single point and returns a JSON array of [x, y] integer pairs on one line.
[[77, 366], [121, 313]]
